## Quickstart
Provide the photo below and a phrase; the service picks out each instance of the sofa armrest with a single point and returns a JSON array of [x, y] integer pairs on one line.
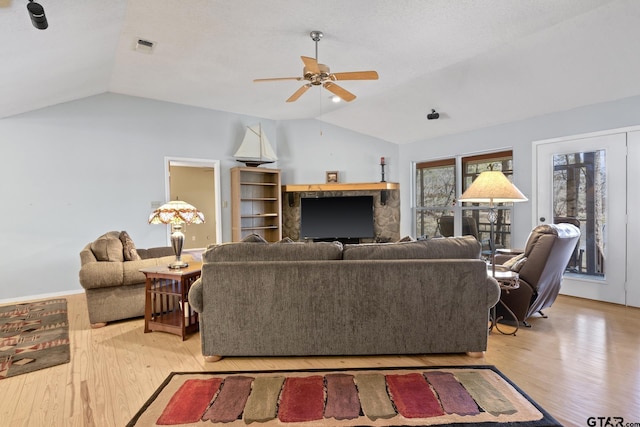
[[493, 291], [87, 255], [195, 296], [101, 274]]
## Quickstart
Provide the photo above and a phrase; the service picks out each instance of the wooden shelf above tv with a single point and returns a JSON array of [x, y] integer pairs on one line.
[[362, 186]]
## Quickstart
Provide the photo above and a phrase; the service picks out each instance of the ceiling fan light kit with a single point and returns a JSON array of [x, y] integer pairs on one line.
[[316, 74]]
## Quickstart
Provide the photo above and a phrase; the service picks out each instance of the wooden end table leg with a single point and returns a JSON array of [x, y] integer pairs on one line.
[[147, 304]]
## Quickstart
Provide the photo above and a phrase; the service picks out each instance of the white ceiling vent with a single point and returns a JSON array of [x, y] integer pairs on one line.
[[144, 46]]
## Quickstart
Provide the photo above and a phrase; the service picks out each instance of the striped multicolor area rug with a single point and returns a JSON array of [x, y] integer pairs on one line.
[[469, 396]]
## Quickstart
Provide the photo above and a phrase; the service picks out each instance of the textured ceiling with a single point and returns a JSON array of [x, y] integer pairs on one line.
[[479, 63]]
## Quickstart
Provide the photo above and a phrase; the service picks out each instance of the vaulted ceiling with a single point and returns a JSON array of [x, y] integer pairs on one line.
[[478, 63]]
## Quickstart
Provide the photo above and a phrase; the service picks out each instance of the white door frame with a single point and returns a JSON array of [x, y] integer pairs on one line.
[[194, 162], [633, 218]]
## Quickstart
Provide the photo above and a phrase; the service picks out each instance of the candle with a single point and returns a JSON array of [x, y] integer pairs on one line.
[[382, 160]]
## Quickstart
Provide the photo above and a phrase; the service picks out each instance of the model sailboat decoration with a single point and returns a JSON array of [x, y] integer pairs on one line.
[[255, 149]]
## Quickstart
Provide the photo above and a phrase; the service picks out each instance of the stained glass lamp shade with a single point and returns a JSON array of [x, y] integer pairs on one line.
[[177, 213]]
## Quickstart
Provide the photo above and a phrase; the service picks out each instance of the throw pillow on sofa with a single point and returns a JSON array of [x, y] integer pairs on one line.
[[254, 238], [128, 248], [515, 263]]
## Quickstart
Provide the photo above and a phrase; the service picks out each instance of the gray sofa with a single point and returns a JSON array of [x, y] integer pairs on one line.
[[110, 276], [303, 299]]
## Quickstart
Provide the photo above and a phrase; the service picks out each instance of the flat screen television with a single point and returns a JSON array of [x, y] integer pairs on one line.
[[346, 217]]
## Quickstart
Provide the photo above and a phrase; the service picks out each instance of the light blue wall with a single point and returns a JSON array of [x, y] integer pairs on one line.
[[519, 136], [309, 148], [74, 171]]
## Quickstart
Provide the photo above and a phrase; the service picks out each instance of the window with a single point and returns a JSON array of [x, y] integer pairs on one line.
[[472, 167], [436, 191], [435, 194]]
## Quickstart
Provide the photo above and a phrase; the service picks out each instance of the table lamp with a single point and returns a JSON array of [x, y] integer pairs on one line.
[[492, 187], [176, 213]]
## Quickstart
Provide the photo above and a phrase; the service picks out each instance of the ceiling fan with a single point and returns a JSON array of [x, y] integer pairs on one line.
[[316, 74]]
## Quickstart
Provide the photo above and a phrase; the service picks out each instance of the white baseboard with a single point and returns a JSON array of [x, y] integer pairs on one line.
[[38, 297]]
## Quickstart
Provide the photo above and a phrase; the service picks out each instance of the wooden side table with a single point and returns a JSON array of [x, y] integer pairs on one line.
[[508, 280], [167, 306]]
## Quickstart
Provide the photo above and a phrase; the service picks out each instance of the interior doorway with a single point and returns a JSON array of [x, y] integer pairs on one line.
[[197, 182]]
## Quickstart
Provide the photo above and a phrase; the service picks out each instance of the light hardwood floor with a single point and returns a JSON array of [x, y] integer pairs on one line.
[[583, 361]]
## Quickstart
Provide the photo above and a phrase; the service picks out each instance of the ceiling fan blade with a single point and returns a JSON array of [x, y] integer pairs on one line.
[[299, 93], [277, 78], [339, 91], [355, 75], [311, 64]]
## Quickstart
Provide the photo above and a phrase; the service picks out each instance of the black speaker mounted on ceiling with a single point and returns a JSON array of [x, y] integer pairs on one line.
[[38, 18], [434, 115]]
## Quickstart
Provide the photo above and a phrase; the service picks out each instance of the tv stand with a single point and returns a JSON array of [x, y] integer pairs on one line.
[[343, 240]]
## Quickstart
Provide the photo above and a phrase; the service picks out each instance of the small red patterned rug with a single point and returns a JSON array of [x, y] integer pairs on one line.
[[412, 396], [33, 336]]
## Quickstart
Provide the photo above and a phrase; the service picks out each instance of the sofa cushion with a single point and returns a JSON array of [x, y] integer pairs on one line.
[[131, 274], [293, 251], [466, 247], [128, 247], [108, 247]]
